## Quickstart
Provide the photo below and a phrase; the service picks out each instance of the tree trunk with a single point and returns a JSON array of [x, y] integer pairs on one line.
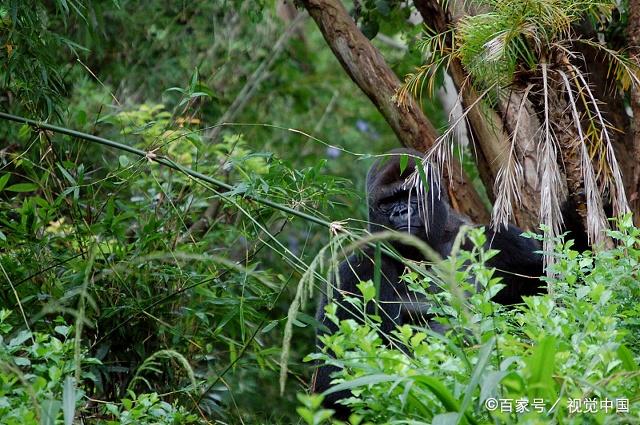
[[492, 132], [368, 69], [633, 34]]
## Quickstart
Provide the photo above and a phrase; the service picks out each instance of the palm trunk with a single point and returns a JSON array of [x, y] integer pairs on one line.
[[633, 148], [492, 131]]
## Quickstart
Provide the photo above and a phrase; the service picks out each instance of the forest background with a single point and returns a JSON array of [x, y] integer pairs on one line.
[[172, 174]]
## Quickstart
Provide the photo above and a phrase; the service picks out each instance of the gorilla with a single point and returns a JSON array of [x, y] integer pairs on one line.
[[394, 206]]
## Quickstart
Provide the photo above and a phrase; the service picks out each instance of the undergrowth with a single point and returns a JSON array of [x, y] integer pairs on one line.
[[569, 356]]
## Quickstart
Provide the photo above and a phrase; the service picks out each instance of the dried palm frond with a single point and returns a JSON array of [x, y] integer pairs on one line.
[[625, 69], [618, 195], [441, 153], [426, 182], [596, 221], [520, 43], [550, 177], [509, 178]]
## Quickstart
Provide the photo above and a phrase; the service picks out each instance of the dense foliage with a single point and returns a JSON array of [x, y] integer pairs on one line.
[[132, 292], [567, 357]]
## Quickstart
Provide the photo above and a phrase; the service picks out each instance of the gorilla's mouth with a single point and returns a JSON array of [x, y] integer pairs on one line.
[[407, 228]]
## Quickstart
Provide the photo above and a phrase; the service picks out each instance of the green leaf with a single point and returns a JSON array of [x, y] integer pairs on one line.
[[270, 326], [404, 161], [69, 400], [49, 413], [123, 160], [63, 5], [24, 133], [3, 180], [360, 382], [66, 175], [370, 29], [22, 187], [490, 384], [306, 415], [443, 394], [540, 367], [81, 118], [383, 7], [20, 338], [449, 418], [423, 176], [483, 360], [368, 290], [22, 361], [62, 330], [626, 356]]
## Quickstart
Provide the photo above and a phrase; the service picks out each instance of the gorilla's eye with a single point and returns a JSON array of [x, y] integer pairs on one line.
[[401, 197], [388, 203]]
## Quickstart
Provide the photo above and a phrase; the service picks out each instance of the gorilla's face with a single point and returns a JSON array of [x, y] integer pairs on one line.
[[402, 212], [394, 205]]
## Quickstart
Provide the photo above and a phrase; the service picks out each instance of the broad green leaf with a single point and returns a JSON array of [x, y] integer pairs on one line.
[[540, 367], [490, 383], [69, 400], [49, 411], [628, 361], [365, 380], [22, 361], [449, 418], [22, 187], [367, 289]]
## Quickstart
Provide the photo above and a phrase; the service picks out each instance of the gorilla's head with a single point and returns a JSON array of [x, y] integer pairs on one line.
[[395, 205]]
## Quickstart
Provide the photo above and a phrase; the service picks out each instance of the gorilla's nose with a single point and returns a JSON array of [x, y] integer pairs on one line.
[[402, 217], [401, 212]]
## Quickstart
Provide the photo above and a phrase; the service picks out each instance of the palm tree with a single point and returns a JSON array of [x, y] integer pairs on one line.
[[532, 77]]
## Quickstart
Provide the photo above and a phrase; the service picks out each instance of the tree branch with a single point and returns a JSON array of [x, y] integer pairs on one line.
[[368, 69]]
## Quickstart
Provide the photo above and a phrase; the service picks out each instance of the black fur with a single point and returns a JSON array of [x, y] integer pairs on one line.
[[391, 207]]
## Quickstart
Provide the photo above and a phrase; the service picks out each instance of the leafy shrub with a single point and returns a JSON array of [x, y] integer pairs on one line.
[[37, 375], [570, 356], [37, 384], [147, 409]]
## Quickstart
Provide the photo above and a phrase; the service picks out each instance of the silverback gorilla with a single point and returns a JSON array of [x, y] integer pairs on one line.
[[392, 207]]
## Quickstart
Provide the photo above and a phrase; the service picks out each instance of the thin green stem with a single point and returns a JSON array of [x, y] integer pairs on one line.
[[151, 156]]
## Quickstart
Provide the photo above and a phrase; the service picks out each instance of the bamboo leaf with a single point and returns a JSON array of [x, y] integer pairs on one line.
[[22, 187]]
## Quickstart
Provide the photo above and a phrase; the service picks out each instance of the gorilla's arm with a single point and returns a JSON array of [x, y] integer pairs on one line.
[[351, 272], [517, 263], [360, 268]]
